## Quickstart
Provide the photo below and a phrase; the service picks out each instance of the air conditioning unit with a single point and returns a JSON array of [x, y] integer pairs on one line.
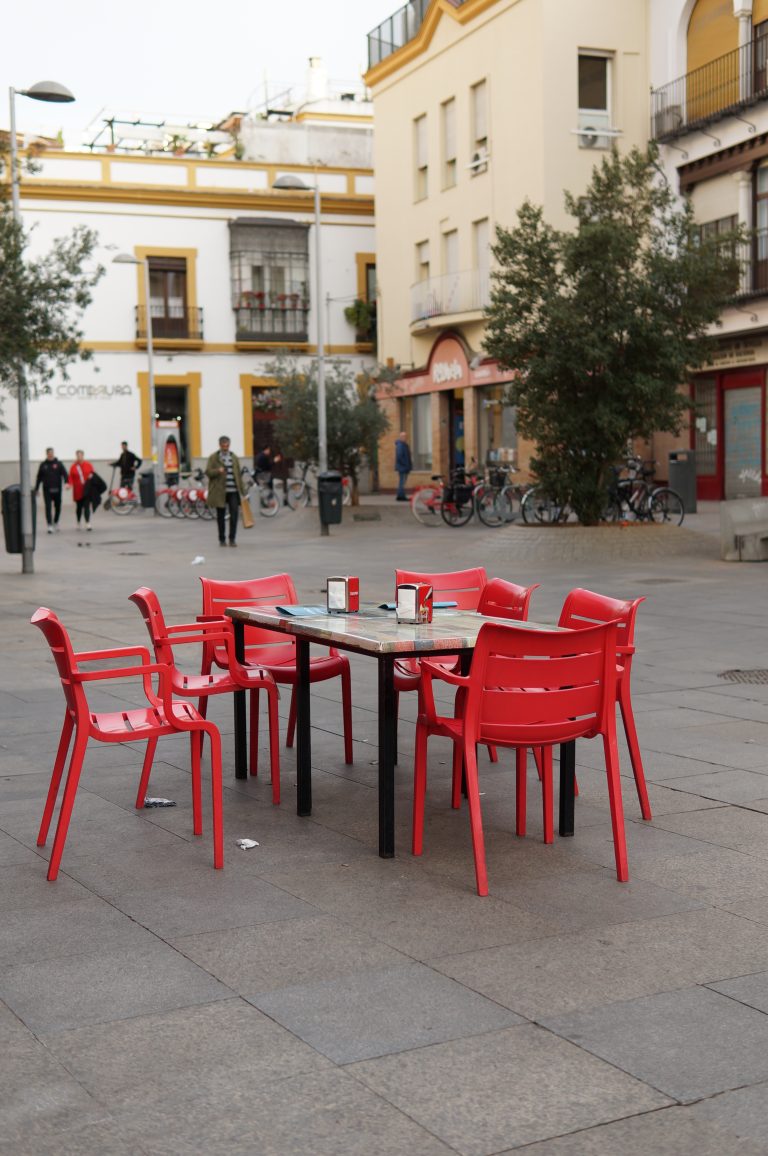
[[479, 162], [667, 121], [595, 130]]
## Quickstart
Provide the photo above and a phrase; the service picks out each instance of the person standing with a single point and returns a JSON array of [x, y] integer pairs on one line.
[[78, 476], [127, 463], [403, 465], [52, 476], [225, 489]]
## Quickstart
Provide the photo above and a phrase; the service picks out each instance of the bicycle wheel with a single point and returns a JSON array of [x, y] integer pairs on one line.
[[269, 503], [161, 504], [425, 506], [666, 506], [120, 505], [488, 506], [297, 494], [188, 506], [204, 511], [612, 512], [457, 511], [174, 504], [509, 503]]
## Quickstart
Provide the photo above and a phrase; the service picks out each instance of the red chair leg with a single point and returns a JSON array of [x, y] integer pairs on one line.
[[196, 743], [493, 754], [521, 775], [254, 750], [419, 789], [291, 719], [67, 803], [53, 790], [538, 758], [146, 770], [475, 818], [346, 706], [202, 705], [217, 805], [547, 798], [617, 807], [630, 730], [274, 744], [458, 776]]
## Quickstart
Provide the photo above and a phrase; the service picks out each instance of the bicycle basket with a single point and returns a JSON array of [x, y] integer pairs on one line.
[[497, 478]]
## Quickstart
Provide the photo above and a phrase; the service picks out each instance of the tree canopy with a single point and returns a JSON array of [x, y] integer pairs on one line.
[[603, 323]]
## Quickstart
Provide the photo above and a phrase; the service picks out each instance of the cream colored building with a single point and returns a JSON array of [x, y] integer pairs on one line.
[[478, 105]]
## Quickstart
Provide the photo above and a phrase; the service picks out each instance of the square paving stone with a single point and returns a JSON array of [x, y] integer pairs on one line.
[[689, 1043], [748, 989], [102, 1139], [377, 1012], [742, 1114], [728, 785], [57, 994], [505, 1090], [88, 926], [718, 875]]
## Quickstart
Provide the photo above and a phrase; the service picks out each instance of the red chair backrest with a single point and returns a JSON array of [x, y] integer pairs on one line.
[[585, 608], [464, 587], [275, 590], [149, 605], [63, 655], [538, 687], [502, 599]]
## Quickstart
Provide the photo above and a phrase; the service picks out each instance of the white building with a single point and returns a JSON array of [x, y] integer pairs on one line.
[[232, 274]]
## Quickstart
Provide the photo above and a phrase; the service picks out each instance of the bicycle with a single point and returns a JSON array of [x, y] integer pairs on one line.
[[537, 507], [121, 499], [497, 500], [298, 492], [269, 503], [633, 498]]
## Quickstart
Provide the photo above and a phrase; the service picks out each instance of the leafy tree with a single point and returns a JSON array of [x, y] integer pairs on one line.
[[605, 322], [41, 299], [354, 423]]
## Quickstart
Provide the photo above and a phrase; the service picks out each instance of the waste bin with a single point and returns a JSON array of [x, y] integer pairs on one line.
[[147, 489], [682, 477], [11, 504], [329, 495]]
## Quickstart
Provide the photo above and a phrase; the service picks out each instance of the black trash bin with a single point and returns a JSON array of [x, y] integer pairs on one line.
[[329, 495], [147, 489], [11, 505], [682, 477]]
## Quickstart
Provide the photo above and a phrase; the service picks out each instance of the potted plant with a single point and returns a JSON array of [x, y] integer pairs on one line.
[[360, 314]]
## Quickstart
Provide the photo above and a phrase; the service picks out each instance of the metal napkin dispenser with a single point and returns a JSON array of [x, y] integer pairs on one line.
[[343, 595], [414, 602]]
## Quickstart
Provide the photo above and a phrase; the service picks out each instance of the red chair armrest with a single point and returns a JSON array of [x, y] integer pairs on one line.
[[435, 670], [115, 652]]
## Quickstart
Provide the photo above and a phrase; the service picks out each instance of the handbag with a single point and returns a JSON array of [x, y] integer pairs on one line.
[[247, 512]]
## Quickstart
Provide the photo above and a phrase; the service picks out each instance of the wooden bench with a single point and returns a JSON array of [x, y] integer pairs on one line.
[[744, 522]]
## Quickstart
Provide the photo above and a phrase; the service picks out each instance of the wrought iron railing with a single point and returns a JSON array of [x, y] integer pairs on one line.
[[464, 292], [177, 322], [272, 323], [725, 85], [398, 29], [753, 281]]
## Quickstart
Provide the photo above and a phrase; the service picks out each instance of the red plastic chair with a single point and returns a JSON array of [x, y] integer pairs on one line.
[[502, 599], [200, 686], [583, 608], [162, 717], [526, 688], [268, 650]]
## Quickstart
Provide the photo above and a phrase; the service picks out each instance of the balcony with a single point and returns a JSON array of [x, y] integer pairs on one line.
[[272, 324], [754, 266], [465, 292], [718, 89], [177, 323], [397, 30]]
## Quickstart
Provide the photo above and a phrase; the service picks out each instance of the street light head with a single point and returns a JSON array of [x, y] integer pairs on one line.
[[126, 259], [50, 91], [290, 182]]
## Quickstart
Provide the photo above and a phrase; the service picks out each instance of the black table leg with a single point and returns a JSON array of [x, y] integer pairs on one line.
[[567, 787], [303, 740], [241, 738], [387, 743]]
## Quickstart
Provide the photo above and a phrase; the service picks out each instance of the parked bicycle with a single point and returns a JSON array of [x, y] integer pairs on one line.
[[633, 497], [537, 508], [268, 501], [452, 501], [498, 500], [299, 493], [121, 499]]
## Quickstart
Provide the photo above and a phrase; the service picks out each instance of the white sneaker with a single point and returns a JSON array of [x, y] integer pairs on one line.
[[50, 529], [89, 527]]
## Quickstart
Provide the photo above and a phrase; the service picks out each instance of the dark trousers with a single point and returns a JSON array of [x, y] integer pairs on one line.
[[403, 476], [83, 507], [233, 505], [52, 499]]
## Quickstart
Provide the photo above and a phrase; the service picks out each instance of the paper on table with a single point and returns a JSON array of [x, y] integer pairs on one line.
[[302, 611], [435, 605]]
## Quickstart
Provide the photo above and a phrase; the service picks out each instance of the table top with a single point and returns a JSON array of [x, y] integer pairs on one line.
[[379, 632]]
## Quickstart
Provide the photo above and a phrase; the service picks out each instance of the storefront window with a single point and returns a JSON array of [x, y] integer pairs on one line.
[[705, 423], [417, 421], [498, 433]]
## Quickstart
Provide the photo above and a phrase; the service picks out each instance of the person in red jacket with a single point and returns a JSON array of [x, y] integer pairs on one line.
[[78, 476]]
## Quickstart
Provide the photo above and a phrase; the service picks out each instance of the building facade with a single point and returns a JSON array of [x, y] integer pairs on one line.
[[478, 105], [709, 113], [231, 263]]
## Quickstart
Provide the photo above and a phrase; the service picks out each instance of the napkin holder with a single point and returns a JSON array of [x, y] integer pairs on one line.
[[343, 595]]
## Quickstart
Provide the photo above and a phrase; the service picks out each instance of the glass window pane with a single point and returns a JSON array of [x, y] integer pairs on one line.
[[705, 424], [420, 141], [593, 82], [479, 112], [449, 129]]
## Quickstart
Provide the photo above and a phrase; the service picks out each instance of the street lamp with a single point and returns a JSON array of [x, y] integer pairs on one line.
[[296, 183], [129, 259], [52, 92]]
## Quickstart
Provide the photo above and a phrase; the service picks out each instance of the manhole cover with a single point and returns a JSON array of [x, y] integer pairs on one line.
[[745, 675]]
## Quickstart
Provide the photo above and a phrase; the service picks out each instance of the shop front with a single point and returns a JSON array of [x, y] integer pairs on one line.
[[728, 425]]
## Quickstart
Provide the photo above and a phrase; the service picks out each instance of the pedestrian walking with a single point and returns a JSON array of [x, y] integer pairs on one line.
[[127, 463], [403, 465], [78, 478], [225, 488], [52, 476]]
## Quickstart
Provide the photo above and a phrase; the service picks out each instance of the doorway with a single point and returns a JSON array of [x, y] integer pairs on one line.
[[171, 403], [743, 453], [456, 426]]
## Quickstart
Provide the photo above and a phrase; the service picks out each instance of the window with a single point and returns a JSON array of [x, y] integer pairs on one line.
[[417, 417], [482, 259], [705, 425], [479, 128], [420, 156], [448, 119], [451, 251], [595, 100], [712, 229], [760, 58], [168, 296], [269, 270], [422, 261]]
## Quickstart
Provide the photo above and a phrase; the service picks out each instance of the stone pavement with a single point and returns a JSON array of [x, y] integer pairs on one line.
[[312, 998]]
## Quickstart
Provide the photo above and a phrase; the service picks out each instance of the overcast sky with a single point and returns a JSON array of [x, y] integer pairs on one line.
[[199, 58]]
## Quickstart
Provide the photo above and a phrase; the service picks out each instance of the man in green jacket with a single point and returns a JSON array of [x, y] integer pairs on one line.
[[225, 486]]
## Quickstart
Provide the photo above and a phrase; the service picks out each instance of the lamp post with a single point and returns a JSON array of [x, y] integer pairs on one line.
[[129, 259], [47, 90], [290, 182]]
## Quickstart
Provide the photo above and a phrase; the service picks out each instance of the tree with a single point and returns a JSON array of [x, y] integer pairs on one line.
[[354, 423], [41, 299], [603, 324]]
